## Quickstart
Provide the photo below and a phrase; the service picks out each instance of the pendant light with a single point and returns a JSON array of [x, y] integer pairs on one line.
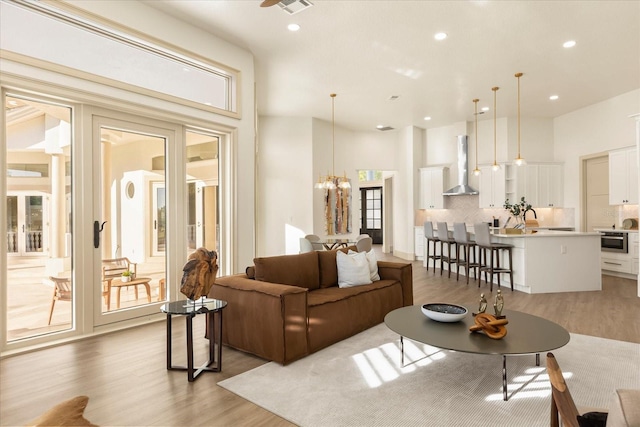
[[476, 171], [519, 161], [331, 181], [495, 165]]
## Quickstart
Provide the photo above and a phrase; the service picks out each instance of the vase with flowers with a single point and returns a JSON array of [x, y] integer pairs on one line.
[[518, 210]]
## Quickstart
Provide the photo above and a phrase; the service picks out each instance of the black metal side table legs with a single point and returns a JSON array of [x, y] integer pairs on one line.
[[214, 364]]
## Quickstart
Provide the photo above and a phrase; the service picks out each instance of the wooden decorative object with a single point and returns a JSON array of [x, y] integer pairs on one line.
[[199, 273], [492, 327]]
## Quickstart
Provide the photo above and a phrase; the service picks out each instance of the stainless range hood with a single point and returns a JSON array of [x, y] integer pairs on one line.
[[463, 188]]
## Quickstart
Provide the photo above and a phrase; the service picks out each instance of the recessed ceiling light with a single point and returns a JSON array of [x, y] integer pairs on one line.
[[440, 36], [568, 44], [427, 118], [293, 27], [553, 97], [485, 108], [379, 126]]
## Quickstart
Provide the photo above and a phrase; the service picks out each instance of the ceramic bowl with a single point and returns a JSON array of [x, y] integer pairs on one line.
[[443, 312]]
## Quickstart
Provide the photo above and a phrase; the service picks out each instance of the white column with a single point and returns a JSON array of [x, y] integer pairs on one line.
[[105, 236], [57, 206]]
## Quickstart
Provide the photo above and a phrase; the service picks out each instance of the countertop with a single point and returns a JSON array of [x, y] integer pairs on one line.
[[549, 233], [616, 230]]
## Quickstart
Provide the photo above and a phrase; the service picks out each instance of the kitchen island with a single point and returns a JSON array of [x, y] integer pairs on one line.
[[553, 261]]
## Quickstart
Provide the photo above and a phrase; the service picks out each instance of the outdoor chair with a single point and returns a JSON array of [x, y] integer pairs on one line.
[[62, 291]]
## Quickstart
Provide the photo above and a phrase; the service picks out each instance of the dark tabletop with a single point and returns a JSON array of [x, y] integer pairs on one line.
[[188, 307], [526, 333]]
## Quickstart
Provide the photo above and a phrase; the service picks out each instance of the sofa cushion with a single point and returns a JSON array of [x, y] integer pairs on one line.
[[338, 313], [624, 410], [334, 294], [296, 270], [353, 269], [373, 265], [328, 266]]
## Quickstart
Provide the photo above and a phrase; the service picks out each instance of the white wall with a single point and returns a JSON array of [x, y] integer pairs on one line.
[[409, 152], [536, 139], [284, 185], [594, 129], [287, 146]]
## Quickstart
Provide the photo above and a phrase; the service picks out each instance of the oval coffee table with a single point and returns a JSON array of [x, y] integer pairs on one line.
[[526, 334]]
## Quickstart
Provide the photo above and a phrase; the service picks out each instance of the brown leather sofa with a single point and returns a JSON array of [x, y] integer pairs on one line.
[[293, 306]]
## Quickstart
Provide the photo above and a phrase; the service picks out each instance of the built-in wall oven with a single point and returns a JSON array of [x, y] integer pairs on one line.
[[614, 241]]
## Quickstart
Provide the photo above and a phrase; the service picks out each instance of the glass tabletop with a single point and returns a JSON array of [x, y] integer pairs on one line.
[[206, 305]]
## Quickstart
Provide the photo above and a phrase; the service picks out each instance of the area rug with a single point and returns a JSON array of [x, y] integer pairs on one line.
[[360, 382]]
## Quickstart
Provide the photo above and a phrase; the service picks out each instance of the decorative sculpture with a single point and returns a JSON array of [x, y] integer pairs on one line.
[[492, 327], [498, 306], [199, 273], [483, 304]]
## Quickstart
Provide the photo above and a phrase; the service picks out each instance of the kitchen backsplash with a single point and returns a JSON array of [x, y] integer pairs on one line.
[[620, 213], [465, 209]]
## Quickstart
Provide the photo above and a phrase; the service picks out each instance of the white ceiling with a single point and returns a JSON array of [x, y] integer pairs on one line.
[[367, 51]]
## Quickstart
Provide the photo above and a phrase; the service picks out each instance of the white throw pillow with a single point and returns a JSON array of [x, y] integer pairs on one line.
[[353, 269], [373, 264]]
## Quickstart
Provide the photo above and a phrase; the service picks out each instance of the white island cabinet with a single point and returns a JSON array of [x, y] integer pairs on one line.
[[553, 261]]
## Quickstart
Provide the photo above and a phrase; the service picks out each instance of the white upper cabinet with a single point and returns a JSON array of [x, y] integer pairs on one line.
[[623, 177], [550, 188], [432, 182], [492, 187], [541, 184]]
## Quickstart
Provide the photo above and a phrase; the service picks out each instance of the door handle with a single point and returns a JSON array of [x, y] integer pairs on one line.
[[155, 224], [97, 229]]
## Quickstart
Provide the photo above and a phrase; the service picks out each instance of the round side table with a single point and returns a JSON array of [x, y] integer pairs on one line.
[[190, 309]]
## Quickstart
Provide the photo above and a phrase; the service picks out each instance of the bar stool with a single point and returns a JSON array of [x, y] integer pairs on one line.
[[468, 247], [430, 235], [445, 239], [483, 240]]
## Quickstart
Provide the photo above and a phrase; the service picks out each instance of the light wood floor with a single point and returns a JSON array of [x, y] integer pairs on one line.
[[124, 372]]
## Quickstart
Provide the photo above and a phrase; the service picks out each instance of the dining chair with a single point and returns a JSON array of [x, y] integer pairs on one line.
[[62, 291], [315, 242], [446, 240], [365, 244], [305, 245], [362, 236], [492, 265], [431, 237], [468, 260]]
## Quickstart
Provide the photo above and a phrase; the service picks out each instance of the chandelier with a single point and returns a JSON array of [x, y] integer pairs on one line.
[[331, 182]]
